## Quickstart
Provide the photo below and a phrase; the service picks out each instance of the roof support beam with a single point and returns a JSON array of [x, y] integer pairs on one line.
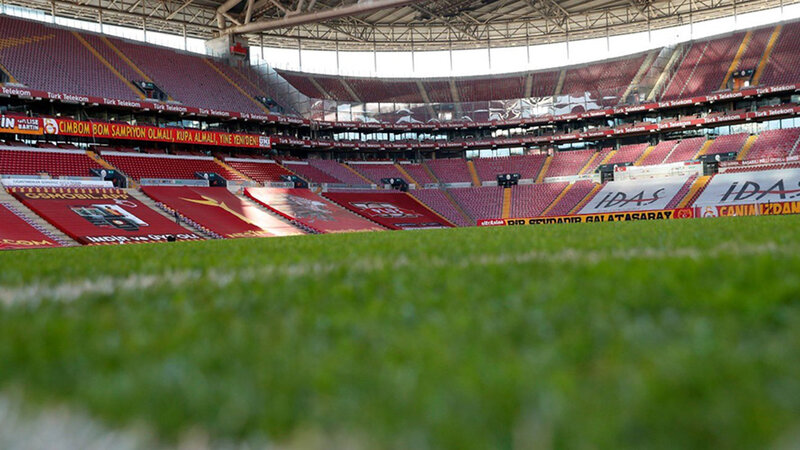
[[319, 16]]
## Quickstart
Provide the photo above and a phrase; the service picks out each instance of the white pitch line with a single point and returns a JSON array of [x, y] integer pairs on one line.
[[34, 293]]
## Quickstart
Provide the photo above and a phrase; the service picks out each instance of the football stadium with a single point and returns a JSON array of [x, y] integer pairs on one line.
[[423, 224]]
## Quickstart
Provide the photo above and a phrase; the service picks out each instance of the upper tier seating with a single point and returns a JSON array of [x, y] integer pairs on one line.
[[572, 198], [480, 202], [628, 153], [302, 83], [686, 150], [495, 88], [419, 173], [784, 61], [659, 153], [528, 166], [568, 162], [54, 162], [727, 143], [704, 67], [438, 91], [437, 200], [450, 170], [774, 144], [373, 90], [601, 156], [138, 166], [259, 170], [755, 49], [192, 83], [32, 50], [531, 200], [334, 87], [604, 82]]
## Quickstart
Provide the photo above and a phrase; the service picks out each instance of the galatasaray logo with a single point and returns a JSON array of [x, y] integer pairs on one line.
[[709, 211], [386, 210], [304, 208], [50, 126]]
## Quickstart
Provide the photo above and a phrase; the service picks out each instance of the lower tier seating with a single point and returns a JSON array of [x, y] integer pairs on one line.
[[480, 202], [141, 165], [437, 200], [261, 170], [54, 162]]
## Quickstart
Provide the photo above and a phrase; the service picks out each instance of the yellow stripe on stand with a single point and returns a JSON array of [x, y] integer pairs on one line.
[[357, 173], [698, 185], [558, 199], [5, 71], [586, 199], [230, 168], [547, 162], [108, 64], [506, 203], [236, 86], [767, 53], [736, 59], [704, 148], [406, 174], [476, 181], [589, 163], [747, 146], [646, 153]]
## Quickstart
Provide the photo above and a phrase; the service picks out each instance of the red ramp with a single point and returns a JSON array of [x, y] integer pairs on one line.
[[392, 209], [97, 216], [17, 233], [310, 210], [219, 211]]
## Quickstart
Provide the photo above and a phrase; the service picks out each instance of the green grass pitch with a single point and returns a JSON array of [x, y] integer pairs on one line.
[[671, 334]]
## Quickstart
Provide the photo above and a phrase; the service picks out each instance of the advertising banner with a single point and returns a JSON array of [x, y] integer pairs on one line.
[[310, 210], [394, 210], [681, 213], [100, 216], [747, 188], [16, 233], [20, 125], [635, 195], [762, 209], [220, 212], [104, 130]]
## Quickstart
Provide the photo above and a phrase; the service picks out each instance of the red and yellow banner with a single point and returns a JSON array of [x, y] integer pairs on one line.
[[762, 209], [682, 213], [103, 130]]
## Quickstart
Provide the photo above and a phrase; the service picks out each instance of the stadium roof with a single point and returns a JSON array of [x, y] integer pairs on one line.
[[399, 25]]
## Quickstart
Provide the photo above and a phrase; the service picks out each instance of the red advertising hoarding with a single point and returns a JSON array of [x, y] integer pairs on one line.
[[97, 216]]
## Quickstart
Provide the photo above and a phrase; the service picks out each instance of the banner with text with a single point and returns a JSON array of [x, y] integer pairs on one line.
[[100, 216], [747, 188], [681, 213], [103, 130], [635, 195]]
